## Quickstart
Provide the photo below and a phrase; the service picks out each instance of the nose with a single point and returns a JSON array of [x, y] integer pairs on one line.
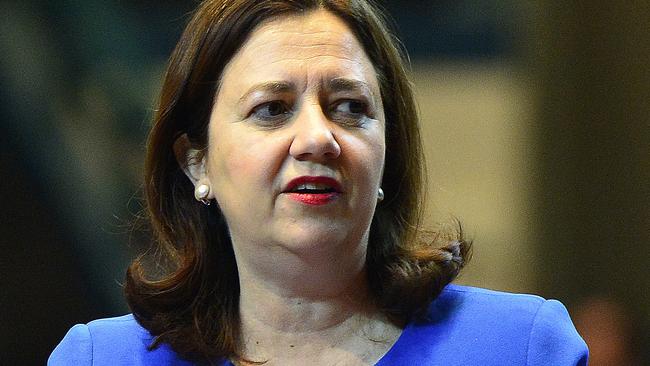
[[313, 138]]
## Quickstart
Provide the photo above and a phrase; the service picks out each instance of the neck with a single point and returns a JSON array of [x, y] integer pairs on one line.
[[295, 293], [309, 307]]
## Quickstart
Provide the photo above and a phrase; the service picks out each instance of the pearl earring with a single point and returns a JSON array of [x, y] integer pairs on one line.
[[201, 194], [380, 195]]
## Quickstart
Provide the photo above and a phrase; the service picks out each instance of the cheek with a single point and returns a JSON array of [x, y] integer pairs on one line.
[[366, 154], [370, 146], [242, 162]]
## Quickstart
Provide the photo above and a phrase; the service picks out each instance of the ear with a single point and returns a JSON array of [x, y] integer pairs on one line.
[[191, 160]]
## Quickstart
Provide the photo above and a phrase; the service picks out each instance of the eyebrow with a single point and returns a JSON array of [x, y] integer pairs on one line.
[[275, 87], [332, 85], [343, 84]]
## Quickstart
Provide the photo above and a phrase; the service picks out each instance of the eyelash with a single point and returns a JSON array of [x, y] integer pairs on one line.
[[356, 118], [266, 117], [348, 118]]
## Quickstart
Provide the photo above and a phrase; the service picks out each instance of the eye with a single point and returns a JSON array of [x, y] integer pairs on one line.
[[271, 111], [350, 112], [351, 107]]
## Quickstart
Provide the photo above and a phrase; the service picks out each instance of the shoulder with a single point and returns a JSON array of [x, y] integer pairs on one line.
[[529, 327], [479, 326], [463, 302], [111, 341]]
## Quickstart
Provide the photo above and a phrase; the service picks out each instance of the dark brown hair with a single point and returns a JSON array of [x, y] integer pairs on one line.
[[189, 297]]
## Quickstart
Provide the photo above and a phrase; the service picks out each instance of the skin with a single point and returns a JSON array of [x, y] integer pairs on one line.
[[301, 98]]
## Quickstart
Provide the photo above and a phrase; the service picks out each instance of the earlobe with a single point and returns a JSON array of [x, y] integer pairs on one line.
[[191, 160]]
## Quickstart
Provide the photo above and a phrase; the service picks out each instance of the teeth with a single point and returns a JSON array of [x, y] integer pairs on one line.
[[312, 186]]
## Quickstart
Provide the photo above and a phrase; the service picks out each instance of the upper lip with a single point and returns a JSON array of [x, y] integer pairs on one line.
[[330, 183]]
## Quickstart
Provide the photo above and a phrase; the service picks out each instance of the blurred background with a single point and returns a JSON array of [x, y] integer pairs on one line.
[[535, 115]]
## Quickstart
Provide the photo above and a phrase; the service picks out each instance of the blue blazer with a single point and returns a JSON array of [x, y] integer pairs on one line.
[[465, 326]]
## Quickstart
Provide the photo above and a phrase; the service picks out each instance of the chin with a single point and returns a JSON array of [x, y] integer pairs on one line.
[[321, 237]]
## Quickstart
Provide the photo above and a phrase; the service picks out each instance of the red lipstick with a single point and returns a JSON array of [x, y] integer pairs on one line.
[[313, 199], [313, 190]]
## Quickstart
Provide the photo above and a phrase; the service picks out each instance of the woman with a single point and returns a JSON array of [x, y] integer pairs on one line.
[[283, 181]]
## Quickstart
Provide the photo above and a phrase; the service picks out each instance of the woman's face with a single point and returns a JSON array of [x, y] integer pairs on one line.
[[296, 137]]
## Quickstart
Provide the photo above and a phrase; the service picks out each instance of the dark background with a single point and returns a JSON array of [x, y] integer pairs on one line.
[[78, 83]]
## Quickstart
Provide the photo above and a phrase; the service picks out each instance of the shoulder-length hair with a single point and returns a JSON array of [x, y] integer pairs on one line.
[[190, 297]]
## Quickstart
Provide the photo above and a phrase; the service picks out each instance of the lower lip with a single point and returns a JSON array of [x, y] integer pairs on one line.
[[314, 199]]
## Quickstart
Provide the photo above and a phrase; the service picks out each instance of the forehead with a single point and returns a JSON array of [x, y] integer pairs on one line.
[[317, 44]]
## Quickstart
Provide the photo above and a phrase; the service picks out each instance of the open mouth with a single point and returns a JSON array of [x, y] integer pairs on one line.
[[313, 190], [313, 185]]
